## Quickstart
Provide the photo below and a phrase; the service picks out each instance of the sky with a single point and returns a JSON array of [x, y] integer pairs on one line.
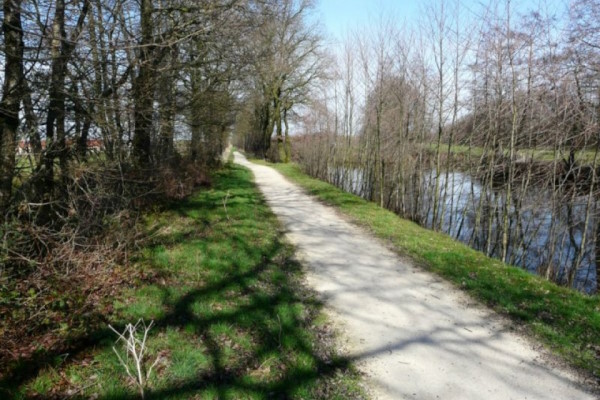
[[339, 15]]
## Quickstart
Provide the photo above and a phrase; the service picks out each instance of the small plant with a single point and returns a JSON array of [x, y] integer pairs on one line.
[[225, 204], [134, 337]]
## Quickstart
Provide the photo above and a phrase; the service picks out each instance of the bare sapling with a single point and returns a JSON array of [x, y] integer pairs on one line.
[[134, 337], [225, 204]]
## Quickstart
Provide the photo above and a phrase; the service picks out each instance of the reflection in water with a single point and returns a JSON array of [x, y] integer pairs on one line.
[[544, 238]]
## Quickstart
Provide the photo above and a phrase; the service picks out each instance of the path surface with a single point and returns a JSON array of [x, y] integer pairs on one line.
[[414, 335]]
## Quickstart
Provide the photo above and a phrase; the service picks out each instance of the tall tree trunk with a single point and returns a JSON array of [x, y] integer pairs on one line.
[[379, 156], [11, 97], [31, 123], [288, 144], [144, 89], [277, 121], [265, 122], [511, 150], [167, 116], [597, 251], [55, 119], [56, 145]]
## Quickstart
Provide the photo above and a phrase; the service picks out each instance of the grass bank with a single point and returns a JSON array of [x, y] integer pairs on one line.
[[565, 321], [232, 318], [583, 157]]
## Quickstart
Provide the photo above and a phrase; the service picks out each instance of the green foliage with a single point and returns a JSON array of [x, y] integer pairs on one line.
[[565, 321]]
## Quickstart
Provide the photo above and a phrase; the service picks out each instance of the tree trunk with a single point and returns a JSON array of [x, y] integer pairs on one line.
[[144, 89], [597, 251], [278, 127], [11, 97], [55, 119], [288, 144], [56, 145], [266, 126], [167, 117]]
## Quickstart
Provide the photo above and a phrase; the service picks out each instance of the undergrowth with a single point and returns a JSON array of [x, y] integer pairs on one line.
[[232, 318], [61, 262]]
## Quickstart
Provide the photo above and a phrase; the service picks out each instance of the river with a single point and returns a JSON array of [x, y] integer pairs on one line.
[[545, 234]]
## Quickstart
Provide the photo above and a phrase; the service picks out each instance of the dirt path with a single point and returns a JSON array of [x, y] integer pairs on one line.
[[414, 335]]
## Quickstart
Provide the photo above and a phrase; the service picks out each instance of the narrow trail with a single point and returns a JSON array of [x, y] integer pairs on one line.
[[415, 336]]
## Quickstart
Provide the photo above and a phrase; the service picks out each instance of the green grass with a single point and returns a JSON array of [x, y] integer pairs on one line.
[[538, 154], [457, 149], [565, 321], [232, 317]]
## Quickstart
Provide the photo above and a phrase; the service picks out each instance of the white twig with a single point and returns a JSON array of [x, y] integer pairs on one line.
[[136, 348], [225, 204]]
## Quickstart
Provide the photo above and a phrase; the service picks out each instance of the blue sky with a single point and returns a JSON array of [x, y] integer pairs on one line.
[[338, 15]]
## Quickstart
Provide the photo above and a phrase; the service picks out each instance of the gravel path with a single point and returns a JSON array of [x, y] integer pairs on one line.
[[415, 336]]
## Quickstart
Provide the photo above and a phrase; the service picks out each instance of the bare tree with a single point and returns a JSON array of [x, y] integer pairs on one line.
[[288, 63], [487, 134]]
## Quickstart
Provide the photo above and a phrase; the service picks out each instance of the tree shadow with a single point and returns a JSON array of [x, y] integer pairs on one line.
[[272, 282], [262, 309]]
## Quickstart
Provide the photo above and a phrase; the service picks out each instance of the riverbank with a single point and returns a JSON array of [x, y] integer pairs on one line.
[[231, 315], [566, 322]]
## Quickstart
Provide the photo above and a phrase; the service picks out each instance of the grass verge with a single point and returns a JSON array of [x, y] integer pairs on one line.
[[565, 321], [538, 154], [232, 317]]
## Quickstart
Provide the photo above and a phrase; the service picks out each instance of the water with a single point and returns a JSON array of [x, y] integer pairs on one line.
[[543, 238]]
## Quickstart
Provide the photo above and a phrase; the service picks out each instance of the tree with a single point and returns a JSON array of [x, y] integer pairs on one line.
[[489, 135], [287, 62], [12, 92], [144, 85]]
